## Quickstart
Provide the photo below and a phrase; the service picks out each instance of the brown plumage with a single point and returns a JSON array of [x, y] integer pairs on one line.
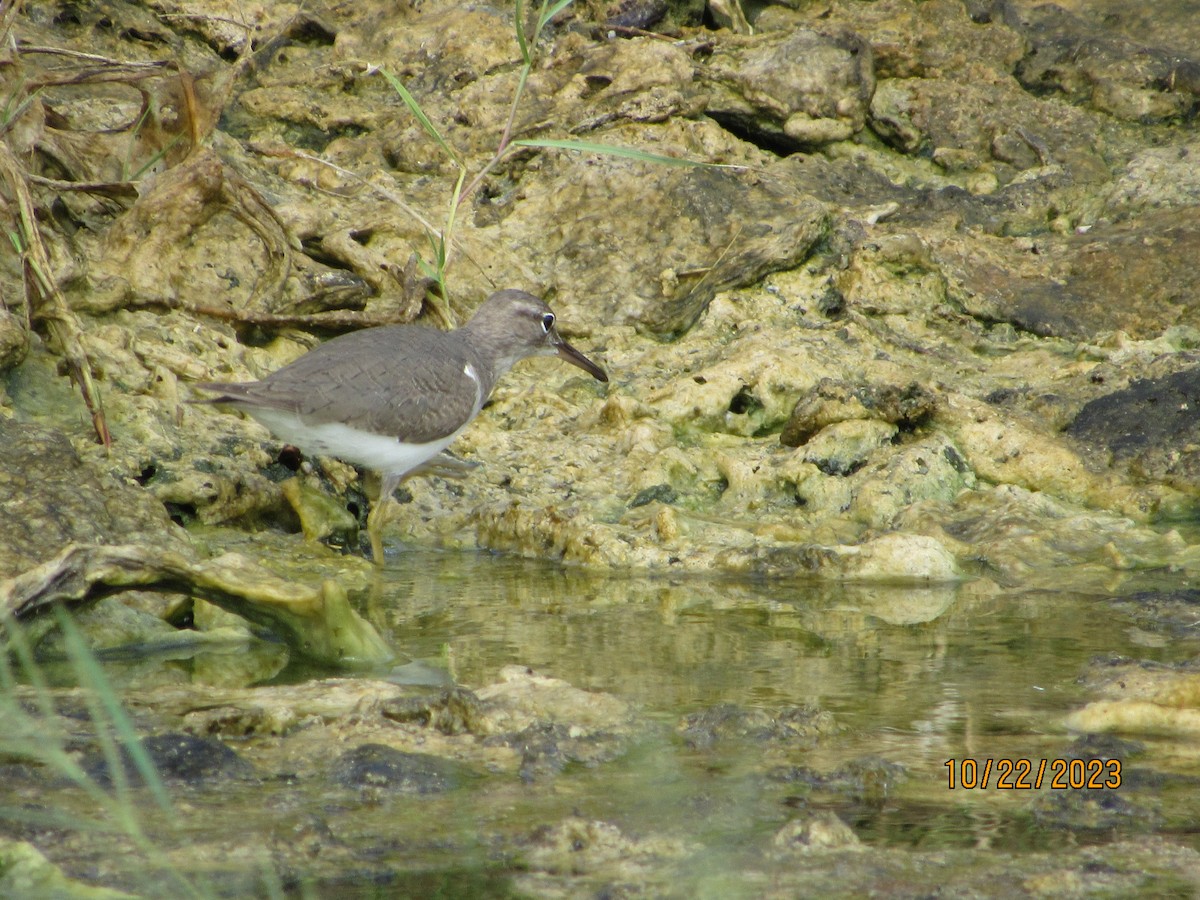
[[392, 398]]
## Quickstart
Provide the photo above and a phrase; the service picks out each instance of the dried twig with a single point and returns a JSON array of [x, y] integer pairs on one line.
[[46, 301], [118, 190], [333, 320], [8, 15]]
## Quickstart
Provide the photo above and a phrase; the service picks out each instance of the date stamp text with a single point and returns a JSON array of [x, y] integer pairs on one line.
[[1017, 774]]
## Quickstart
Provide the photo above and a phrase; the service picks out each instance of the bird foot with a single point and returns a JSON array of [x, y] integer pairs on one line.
[[376, 520]]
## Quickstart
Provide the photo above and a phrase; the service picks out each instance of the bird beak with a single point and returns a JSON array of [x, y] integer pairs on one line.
[[573, 356]]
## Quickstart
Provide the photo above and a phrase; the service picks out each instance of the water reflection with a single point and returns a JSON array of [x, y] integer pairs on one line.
[[926, 660], [770, 711]]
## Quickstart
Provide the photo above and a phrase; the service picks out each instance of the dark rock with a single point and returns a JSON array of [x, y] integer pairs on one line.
[[382, 767], [1151, 428], [658, 493], [179, 758], [636, 14]]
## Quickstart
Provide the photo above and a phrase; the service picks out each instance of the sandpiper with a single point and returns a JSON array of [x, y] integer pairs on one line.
[[392, 398]]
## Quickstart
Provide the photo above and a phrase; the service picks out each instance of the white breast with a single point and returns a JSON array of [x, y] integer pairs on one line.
[[385, 455]]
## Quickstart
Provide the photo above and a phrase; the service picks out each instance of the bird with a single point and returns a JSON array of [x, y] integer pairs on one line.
[[392, 397]]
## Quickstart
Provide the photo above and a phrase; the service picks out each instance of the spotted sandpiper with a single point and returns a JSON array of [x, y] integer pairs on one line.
[[392, 398]]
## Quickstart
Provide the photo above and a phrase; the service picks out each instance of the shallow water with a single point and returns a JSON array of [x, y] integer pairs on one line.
[[901, 680], [914, 678]]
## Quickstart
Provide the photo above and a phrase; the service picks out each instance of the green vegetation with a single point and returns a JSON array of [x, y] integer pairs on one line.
[[33, 732]]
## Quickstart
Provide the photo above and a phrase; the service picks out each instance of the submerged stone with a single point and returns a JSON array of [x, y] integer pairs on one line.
[[177, 757], [386, 768]]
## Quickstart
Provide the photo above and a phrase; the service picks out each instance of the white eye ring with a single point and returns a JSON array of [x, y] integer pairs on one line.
[[547, 322]]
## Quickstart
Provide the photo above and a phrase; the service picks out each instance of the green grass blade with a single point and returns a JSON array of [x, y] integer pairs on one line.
[[438, 245], [519, 23], [153, 160], [549, 13], [44, 751], [75, 647], [415, 108], [91, 675], [38, 739], [10, 113], [19, 646], [38, 736]]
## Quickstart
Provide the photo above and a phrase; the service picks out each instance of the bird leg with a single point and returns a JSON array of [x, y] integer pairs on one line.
[[377, 518]]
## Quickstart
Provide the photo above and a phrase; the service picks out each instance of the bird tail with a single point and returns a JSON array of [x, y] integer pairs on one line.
[[226, 391]]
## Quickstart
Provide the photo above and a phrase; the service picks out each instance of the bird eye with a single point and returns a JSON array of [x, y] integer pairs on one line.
[[547, 322]]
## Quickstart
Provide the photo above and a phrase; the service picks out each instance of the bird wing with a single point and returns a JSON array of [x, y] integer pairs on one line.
[[404, 381]]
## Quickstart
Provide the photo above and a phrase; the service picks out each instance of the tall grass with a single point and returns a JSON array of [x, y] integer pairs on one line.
[[32, 732]]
